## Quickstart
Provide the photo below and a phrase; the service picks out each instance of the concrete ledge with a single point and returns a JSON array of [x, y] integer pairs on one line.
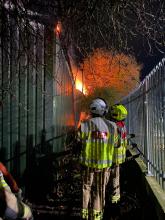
[[153, 189]]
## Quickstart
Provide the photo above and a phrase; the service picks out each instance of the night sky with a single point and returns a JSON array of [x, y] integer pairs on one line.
[[147, 59], [149, 62]]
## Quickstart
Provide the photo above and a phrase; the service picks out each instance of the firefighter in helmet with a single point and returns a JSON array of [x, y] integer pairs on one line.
[[98, 137], [118, 114], [11, 205]]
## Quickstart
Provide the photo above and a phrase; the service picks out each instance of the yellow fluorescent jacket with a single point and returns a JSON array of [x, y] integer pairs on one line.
[[99, 138], [120, 152]]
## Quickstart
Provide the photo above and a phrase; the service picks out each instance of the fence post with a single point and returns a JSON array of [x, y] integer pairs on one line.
[[146, 102]]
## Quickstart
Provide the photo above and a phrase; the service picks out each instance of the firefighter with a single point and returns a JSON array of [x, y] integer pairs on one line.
[[118, 114], [10, 180], [98, 137], [12, 206]]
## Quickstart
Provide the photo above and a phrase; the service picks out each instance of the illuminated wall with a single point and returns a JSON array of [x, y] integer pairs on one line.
[[36, 93]]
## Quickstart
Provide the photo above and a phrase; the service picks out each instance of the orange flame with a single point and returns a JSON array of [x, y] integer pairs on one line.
[[80, 86], [58, 28], [78, 76]]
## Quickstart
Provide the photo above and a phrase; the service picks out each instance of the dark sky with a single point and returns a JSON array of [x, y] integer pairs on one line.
[[149, 62], [148, 59]]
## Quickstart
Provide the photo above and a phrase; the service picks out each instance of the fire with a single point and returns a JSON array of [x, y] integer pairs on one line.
[[80, 87], [78, 77], [58, 28]]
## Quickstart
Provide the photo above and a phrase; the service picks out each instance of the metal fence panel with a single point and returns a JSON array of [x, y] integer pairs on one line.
[[63, 99], [36, 92], [146, 118]]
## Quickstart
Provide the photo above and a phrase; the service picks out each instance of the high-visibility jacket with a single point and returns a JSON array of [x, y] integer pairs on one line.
[[9, 178], [99, 137], [120, 152], [11, 207]]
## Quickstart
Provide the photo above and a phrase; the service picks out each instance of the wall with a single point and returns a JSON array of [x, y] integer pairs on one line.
[[36, 92]]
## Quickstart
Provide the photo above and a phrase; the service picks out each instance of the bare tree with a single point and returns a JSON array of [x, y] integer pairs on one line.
[[122, 25], [125, 26]]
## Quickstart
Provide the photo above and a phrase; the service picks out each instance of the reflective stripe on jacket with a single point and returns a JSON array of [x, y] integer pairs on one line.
[[99, 138], [120, 152]]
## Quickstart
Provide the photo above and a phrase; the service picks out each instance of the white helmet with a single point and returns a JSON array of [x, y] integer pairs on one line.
[[98, 107]]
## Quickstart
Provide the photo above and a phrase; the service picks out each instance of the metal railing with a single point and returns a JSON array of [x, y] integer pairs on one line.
[[146, 119]]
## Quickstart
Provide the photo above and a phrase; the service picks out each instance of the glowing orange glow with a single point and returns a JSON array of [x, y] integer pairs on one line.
[[78, 77], [107, 69], [83, 116], [80, 86], [58, 28]]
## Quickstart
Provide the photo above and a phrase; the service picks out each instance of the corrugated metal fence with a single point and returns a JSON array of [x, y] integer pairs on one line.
[[36, 91], [146, 119]]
